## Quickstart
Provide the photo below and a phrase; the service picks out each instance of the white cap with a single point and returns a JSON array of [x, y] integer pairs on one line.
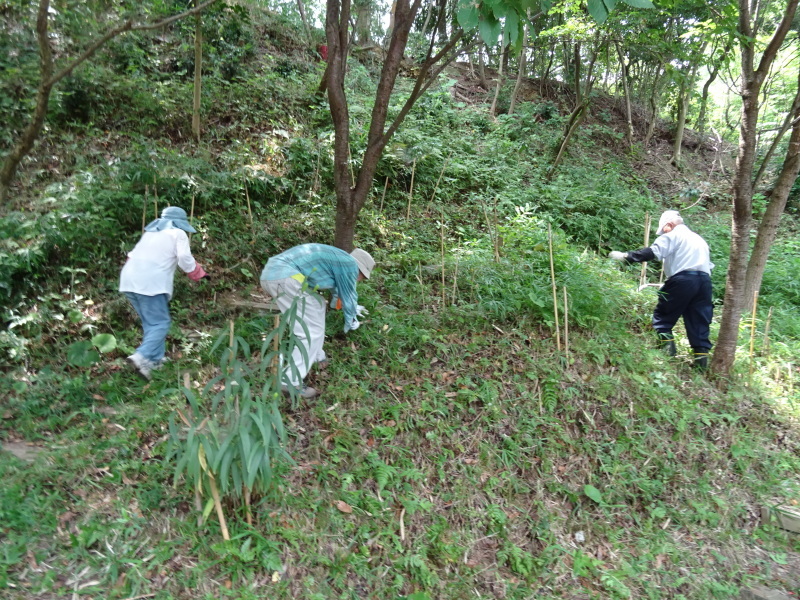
[[365, 262], [668, 216]]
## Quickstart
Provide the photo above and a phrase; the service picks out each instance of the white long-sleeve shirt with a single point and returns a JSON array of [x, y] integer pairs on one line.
[[150, 268], [682, 250]]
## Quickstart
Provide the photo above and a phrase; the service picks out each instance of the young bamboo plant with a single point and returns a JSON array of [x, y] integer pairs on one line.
[[227, 441]]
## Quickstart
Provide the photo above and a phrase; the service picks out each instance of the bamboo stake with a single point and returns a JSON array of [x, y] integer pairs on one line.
[[643, 276], [455, 283], [555, 294], [191, 215], [385, 185], [441, 231], [218, 505], [155, 195], [248, 512], [198, 504], [765, 343], [496, 234], [350, 162], [411, 191], [249, 210], [276, 320], [753, 334], [144, 205], [566, 324]]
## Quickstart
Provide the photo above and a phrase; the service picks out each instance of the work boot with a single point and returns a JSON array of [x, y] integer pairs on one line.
[[305, 392], [667, 343], [700, 359]]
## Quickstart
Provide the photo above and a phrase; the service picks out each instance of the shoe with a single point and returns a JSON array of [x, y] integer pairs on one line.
[[305, 392], [160, 363], [141, 365]]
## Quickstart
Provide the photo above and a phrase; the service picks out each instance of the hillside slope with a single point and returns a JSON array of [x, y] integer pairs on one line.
[[461, 447]]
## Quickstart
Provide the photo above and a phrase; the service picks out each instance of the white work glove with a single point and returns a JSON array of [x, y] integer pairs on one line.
[[617, 255], [353, 326], [361, 311]]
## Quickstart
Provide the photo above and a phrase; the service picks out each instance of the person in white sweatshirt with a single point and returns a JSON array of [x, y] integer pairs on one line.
[[687, 290], [147, 281]]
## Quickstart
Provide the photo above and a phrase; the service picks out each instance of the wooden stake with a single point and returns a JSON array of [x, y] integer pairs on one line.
[[643, 276], [144, 205], [385, 185], [496, 234], [155, 195], [555, 294], [566, 324], [276, 320], [441, 230], [247, 510], [411, 191], [455, 283], [249, 210], [350, 162], [218, 505]]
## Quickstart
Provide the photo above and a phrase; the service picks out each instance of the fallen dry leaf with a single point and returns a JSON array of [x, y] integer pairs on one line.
[[344, 506]]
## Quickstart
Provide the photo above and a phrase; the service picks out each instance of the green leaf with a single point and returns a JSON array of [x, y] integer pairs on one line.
[[105, 342], [81, 354], [610, 4], [468, 14], [208, 508], [512, 28], [593, 493], [639, 3], [490, 29], [545, 5], [598, 10]]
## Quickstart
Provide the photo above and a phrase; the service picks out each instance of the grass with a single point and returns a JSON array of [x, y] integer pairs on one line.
[[455, 452]]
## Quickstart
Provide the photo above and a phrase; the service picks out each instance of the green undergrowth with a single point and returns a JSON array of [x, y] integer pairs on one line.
[[470, 441]]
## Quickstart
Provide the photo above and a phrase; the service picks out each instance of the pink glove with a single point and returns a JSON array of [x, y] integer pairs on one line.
[[197, 274]]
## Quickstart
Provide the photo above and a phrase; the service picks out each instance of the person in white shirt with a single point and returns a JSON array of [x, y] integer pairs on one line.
[[147, 281], [687, 290]]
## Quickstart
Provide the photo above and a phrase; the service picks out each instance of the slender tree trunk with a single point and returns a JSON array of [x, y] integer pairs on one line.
[[521, 72], [627, 93], [350, 197], [49, 78], [198, 74], [482, 70], [653, 101], [492, 110], [752, 80], [301, 9], [680, 123], [768, 229]]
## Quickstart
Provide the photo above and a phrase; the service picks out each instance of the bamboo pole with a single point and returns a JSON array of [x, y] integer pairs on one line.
[[455, 283], [247, 510], [496, 233], [144, 205], [155, 195], [566, 324], [276, 320], [411, 191], [385, 185], [553, 281], [441, 232], [218, 505], [643, 275], [249, 210]]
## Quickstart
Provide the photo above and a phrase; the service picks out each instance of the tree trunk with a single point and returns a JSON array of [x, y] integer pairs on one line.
[[653, 101], [363, 19], [752, 80], [768, 229], [498, 86], [34, 128], [350, 197], [626, 90], [49, 79], [301, 9], [198, 74], [521, 71], [482, 70], [680, 123]]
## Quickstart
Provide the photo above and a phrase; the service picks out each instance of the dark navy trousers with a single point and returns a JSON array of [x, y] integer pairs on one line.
[[686, 294]]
